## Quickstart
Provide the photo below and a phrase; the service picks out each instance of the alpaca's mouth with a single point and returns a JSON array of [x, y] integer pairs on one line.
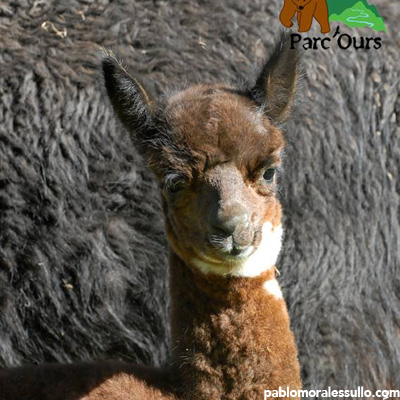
[[236, 254], [221, 257], [230, 250], [222, 250], [260, 255]]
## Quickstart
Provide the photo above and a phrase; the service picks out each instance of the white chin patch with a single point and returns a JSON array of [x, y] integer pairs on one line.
[[259, 261]]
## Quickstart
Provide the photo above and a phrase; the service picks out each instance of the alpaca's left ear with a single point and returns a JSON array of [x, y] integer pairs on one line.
[[130, 100], [276, 86]]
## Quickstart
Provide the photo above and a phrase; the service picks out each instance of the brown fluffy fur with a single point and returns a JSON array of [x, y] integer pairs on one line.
[[232, 340]]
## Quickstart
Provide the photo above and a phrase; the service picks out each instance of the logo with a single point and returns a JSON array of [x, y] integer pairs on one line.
[[353, 13], [306, 10]]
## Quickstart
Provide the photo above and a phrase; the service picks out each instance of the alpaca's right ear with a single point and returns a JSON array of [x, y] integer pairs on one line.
[[128, 97], [277, 83]]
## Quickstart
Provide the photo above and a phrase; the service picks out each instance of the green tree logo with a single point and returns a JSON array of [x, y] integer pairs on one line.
[[356, 14]]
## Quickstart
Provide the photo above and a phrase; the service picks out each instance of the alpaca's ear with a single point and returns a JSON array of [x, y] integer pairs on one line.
[[276, 86], [128, 96]]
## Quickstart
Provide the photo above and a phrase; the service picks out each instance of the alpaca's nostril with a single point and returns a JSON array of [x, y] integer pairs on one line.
[[242, 239], [229, 226], [237, 250]]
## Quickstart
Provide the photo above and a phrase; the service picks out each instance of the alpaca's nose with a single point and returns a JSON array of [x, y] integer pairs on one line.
[[301, 7], [230, 219], [233, 222]]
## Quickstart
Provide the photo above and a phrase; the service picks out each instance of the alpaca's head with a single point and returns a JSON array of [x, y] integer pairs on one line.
[[216, 150]]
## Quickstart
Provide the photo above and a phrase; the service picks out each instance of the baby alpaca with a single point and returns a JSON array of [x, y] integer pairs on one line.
[[216, 151]]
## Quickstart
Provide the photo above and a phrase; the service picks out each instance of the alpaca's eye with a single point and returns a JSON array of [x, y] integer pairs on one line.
[[269, 175], [174, 184]]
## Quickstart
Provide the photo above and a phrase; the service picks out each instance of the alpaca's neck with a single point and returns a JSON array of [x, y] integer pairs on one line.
[[231, 335]]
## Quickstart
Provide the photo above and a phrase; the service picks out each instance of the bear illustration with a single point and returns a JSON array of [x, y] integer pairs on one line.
[[306, 10]]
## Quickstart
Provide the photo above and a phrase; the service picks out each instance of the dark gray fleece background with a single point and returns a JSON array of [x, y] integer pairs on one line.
[[83, 266]]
